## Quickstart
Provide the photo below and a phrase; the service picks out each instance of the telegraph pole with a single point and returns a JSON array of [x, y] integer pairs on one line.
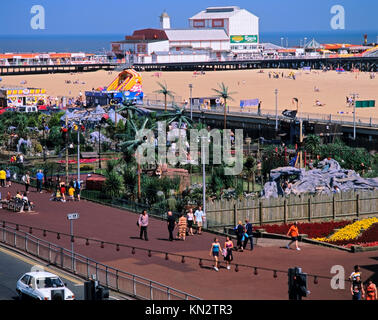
[[276, 93]]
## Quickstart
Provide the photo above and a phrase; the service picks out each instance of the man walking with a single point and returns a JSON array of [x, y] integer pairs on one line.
[[248, 230], [2, 177], [171, 225], [293, 233], [199, 216], [143, 224], [39, 177], [8, 177]]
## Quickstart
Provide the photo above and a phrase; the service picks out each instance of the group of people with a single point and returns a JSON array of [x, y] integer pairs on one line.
[[357, 288], [19, 158], [26, 203], [39, 177], [184, 224], [244, 234], [71, 192]]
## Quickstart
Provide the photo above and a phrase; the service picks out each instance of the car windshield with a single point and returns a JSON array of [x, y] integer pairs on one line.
[[49, 283]]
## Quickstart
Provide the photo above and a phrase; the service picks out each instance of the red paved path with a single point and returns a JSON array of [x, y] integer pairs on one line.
[[114, 225]]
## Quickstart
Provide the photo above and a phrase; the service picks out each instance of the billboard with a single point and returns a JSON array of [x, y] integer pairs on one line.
[[244, 39]]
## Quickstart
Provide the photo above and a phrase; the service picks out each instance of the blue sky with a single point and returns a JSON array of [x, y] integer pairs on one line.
[[122, 16]]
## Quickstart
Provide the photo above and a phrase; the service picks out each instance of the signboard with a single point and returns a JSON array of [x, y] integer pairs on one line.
[[244, 39], [72, 216], [365, 103]]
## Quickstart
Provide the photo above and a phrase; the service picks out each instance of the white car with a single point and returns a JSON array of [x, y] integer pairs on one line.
[[42, 285]]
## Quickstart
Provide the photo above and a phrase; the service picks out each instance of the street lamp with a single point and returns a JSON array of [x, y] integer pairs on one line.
[[190, 101], [282, 39], [44, 140], [354, 95], [305, 41]]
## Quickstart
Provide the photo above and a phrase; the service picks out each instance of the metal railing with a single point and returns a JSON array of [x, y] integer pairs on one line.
[[117, 280]]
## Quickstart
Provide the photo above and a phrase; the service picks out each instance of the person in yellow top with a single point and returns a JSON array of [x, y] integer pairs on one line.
[[293, 233], [71, 193], [3, 176]]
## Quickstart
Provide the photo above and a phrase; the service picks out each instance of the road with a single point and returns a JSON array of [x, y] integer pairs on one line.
[[14, 265]]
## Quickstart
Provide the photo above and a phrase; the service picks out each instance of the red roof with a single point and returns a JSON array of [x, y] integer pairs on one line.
[[148, 34]]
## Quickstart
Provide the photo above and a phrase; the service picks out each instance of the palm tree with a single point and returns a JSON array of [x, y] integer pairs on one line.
[[223, 92], [164, 90], [178, 115], [250, 169], [133, 144]]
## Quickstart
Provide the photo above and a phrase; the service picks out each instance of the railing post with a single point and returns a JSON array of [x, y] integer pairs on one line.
[[151, 293], [15, 240], [117, 280], [61, 257], [38, 248], [26, 242], [168, 294], [106, 276], [285, 211], [358, 206], [134, 286], [334, 207], [49, 253], [96, 271]]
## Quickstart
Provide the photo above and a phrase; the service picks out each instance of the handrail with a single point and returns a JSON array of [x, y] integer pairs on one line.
[[78, 258]]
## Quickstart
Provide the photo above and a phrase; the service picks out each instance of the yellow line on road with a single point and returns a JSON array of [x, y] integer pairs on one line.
[[31, 262]]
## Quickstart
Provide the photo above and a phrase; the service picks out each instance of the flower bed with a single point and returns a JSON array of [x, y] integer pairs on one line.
[[350, 232], [368, 239], [313, 230]]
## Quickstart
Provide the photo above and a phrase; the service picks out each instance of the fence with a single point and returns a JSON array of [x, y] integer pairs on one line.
[[120, 281], [347, 205]]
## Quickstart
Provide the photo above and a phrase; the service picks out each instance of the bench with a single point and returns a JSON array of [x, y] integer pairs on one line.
[[18, 205]]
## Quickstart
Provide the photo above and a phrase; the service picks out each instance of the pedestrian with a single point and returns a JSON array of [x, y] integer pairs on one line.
[[26, 181], [239, 230], [357, 289], [8, 175], [182, 224], [77, 186], [249, 231], [227, 252], [355, 273], [371, 291], [214, 251], [171, 225], [190, 217], [199, 216], [62, 189], [40, 176], [293, 233], [2, 177], [143, 224]]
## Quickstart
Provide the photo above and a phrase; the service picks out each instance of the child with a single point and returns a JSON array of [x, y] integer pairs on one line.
[[71, 193]]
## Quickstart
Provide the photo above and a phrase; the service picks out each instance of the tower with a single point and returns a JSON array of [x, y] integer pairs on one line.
[[165, 21]]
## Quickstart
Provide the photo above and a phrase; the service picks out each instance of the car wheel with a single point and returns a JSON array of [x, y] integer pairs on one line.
[[21, 296]]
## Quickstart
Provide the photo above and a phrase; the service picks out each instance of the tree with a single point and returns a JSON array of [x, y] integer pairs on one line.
[[312, 144], [164, 90], [113, 185], [250, 169], [224, 93]]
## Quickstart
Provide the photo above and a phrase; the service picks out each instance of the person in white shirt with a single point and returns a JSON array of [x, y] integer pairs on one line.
[[199, 218]]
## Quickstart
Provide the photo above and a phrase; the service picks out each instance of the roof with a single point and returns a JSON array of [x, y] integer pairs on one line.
[[313, 44], [41, 274], [148, 34], [218, 13], [196, 34], [270, 46]]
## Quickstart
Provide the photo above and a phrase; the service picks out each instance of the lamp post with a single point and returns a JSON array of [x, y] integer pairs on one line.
[[282, 39], [190, 101], [305, 41], [44, 140], [99, 145], [276, 94], [78, 151], [354, 95], [203, 156]]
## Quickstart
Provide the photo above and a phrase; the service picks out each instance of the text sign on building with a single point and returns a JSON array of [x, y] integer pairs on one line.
[[72, 216], [243, 39]]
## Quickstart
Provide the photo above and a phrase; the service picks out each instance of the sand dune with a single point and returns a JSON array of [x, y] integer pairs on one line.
[[248, 84]]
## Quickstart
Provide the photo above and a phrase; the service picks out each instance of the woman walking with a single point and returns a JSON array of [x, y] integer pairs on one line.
[[214, 251], [26, 180], [190, 218], [239, 235], [227, 252], [143, 224], [182, 227], [293, 233]]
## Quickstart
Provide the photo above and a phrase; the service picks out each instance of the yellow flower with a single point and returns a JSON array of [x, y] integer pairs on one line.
[[350, 231]]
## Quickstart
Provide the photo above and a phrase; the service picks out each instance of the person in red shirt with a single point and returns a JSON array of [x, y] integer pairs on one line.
[[293, 233], [371, 291]]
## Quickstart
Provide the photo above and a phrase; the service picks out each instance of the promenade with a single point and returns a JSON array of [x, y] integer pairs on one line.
[[119, 226]]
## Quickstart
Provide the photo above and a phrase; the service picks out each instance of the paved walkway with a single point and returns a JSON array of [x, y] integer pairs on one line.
[[119, 226]]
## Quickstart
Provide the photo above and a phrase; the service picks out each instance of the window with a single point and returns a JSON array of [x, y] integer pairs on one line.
[[217, 23], [25, 279], [198, 23], [49, 283]]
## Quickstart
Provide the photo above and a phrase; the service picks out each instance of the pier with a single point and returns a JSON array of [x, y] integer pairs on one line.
[[367, 64], [56, 68]]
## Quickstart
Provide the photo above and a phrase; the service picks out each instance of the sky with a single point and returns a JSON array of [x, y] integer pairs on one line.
[[124, 16]]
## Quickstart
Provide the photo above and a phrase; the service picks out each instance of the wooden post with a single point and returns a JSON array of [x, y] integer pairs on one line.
[[235, 214], [260, 213], [309, 209], [334, 207], [358, 206], [285, 211]]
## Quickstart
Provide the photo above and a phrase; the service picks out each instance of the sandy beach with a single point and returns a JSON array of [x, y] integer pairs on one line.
[[332, 87]]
